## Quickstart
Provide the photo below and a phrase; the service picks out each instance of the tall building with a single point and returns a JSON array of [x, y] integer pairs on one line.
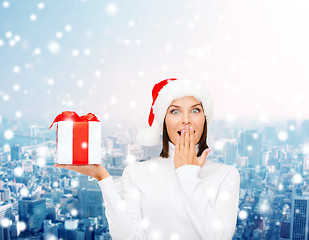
[[305, 129], [91, 202], [250, 145], [4, 194], [293, 137], [6, 211], [15, 152], [230, 153], [299, 221], [33, 212]]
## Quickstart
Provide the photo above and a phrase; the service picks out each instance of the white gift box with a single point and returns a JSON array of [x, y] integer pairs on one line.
[[79, 142]]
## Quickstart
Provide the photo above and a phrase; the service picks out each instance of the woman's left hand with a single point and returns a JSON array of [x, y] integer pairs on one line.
[[185, 150]]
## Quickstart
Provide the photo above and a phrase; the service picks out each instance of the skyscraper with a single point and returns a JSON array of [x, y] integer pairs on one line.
[[15, 152], [230, 153], [32, 211], [299, 221], [250, 145]]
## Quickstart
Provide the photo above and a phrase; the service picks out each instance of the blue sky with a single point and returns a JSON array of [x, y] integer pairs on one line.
[[105, 56]]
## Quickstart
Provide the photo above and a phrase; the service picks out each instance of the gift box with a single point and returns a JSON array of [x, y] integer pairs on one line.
[[78, 138]]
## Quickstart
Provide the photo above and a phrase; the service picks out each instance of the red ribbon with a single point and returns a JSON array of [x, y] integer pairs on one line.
[[72, 116]]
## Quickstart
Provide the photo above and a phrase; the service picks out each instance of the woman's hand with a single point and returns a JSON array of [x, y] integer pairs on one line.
[[185, 150], [93, 170]]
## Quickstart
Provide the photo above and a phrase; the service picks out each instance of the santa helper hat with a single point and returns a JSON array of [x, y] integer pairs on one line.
[[163, 93]]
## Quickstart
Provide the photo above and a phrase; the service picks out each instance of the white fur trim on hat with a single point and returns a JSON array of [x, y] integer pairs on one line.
[[149, 136]]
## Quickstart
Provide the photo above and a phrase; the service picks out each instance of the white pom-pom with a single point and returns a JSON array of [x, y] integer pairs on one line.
[[148, 136]]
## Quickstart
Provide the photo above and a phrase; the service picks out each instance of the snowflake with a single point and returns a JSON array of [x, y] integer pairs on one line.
[[141, 74], [21, 226], [243, 214], [50, 81], [41, 161], [84, 145], [131, 24], [97, 73], [59, 34], [87, 52], [174, 236], [16, 87], [74, 212], [282, 136], [53, 47], [75, 53], [111, 8], [33, 17], [249, 148], [17, 38], [18, 171], [230, 117], [280, 187], [130, 159], [12, 42], [36, 52], [24, 192], [68, 28], [6, 222], [74, 183], [127, 42], [219, 145], [264, 206], [297, 178], [5, 4], [8, 134], [16, 69], [255, 135], [5, 97], [263, 117], [8, 34], [132, 104], [305, 148], [41, 6], [79, 83]]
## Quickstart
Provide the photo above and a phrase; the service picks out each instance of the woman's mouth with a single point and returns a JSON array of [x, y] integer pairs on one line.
[[179, 132]]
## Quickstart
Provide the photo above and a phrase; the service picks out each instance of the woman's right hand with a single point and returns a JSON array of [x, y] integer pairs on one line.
[[93, 170]]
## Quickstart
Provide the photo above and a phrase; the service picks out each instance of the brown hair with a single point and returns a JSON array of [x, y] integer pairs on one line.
[[202, 145]]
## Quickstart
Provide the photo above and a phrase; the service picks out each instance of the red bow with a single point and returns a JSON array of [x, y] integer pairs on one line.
[[72, 116]]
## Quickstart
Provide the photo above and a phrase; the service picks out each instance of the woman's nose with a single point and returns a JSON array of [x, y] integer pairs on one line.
[[186, 119]]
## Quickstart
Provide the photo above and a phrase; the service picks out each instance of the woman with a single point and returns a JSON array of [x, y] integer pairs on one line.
[[177, 195]]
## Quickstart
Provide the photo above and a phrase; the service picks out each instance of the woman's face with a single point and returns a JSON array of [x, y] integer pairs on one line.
[[181, 112]]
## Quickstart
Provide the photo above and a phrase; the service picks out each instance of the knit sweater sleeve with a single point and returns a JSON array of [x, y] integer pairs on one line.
[[213, 215], [123, 209]]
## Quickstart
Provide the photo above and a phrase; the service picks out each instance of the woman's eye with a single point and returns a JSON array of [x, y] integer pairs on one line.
[[175, 111], [196, 110]]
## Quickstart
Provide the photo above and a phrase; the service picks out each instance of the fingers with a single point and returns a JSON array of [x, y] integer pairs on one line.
[[182, 139], [187, 139], [177, 146], [192, 144]]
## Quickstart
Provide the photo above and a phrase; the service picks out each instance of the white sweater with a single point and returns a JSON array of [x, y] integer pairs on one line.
[[158, 202]]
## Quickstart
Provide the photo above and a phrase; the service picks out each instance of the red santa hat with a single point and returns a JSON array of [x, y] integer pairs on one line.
[[163, 93]]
